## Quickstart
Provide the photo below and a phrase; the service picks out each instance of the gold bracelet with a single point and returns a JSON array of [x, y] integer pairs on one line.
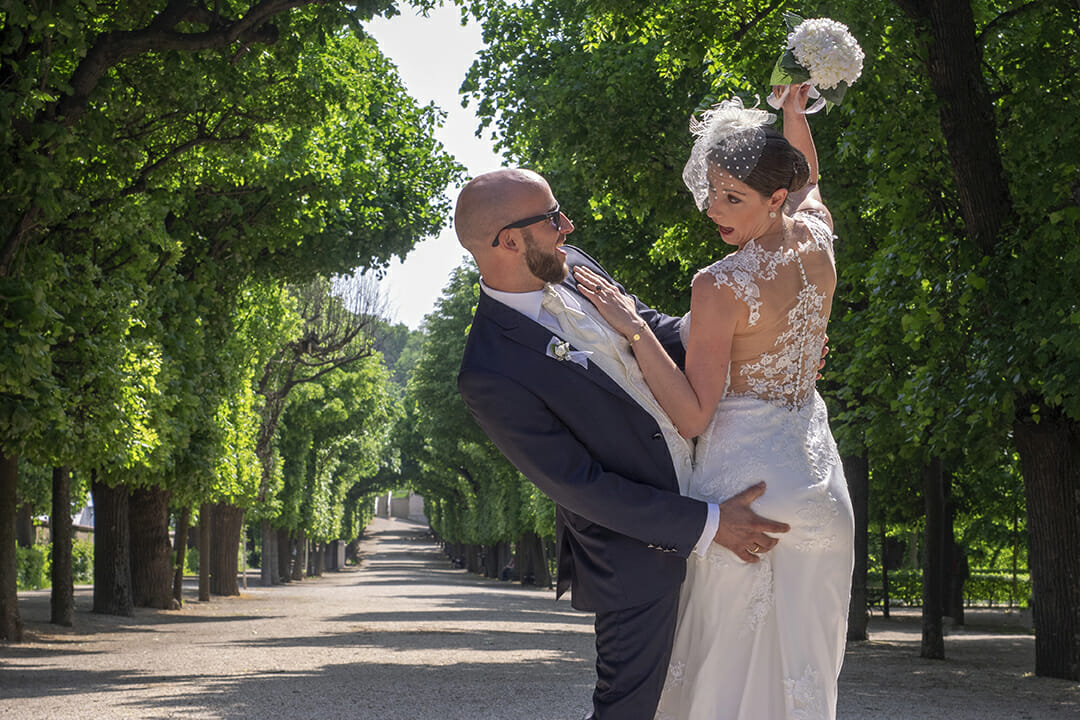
[[637, 336]]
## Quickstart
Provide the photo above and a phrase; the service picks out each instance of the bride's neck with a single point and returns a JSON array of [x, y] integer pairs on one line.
[[772, 237]]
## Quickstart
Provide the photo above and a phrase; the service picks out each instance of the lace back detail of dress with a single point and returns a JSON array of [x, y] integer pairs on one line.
[[784, 372]]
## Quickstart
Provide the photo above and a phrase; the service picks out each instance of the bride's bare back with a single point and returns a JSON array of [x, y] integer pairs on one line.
[[788, 291]]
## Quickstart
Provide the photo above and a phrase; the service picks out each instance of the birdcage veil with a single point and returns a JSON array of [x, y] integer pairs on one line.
[[729, 135]]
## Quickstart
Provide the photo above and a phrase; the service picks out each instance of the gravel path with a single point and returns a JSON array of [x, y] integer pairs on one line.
[[405, 637]]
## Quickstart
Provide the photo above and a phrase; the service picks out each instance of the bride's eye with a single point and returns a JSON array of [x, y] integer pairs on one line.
[[733, 199]]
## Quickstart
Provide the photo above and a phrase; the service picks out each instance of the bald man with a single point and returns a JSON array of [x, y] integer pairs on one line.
[[545, 378]]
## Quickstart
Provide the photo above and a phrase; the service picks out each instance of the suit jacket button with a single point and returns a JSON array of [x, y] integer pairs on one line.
[[657, 436]]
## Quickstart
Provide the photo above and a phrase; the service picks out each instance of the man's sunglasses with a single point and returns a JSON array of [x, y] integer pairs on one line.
[[552, 217]]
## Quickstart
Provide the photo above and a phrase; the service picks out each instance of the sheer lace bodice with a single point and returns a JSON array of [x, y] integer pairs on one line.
[[788, 292]]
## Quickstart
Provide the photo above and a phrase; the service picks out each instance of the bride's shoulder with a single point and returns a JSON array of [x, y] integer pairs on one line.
[[711, 274], [744, 259], [814, 225], [811, 217], [735, 272], [735, 258]]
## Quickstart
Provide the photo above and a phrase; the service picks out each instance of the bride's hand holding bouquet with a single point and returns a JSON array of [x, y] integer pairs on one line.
[[821, 52]]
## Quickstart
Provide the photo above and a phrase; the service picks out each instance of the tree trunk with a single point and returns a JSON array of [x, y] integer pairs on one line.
[[243, 555], [24, 525], [206, 515], [884, 572], [62, 594], [334, 550], [521, 559], [502, 554], [1050, 459], [319, 564], [857, 473], [10, 622], [1048, 449], [492, 560], [299, 568], [226, 525], [933, 639], [954, 64], [504, 557], [151, 549], [183, 524], [531, 562], [269, 572], [284, 555], [955, 565], [956, 574], [472, 559], [112, 544]]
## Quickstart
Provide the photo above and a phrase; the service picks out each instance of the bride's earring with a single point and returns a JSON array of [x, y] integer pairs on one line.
[[772, 214]]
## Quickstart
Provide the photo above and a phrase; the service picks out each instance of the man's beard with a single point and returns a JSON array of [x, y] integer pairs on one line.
[[549, 267]]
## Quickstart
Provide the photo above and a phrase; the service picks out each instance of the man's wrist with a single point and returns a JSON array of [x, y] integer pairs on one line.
[[708, 533]]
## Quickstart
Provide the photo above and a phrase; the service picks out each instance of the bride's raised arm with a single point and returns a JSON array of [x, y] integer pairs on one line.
[[797, 132]]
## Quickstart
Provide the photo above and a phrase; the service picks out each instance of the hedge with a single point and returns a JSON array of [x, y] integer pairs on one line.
[[35, 565], [982, 588]]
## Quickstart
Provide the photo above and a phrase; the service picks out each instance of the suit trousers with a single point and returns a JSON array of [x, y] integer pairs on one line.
[[633, 649]]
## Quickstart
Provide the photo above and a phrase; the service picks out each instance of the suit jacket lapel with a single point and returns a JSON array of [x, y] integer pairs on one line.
[[534, 336]]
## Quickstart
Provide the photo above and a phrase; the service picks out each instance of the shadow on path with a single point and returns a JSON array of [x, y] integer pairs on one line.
[[407, 637]]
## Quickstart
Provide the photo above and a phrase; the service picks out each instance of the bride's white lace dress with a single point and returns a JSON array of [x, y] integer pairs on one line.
[[765, 641]]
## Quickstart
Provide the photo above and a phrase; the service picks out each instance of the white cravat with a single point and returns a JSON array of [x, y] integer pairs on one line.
[[577, 326]]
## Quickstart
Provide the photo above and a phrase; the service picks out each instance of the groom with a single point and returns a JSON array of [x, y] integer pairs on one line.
[[548, 382]]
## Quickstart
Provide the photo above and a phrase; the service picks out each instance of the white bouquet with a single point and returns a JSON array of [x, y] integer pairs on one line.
[[821, 52]]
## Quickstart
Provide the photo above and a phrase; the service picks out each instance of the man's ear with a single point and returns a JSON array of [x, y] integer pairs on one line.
[[511, 240]]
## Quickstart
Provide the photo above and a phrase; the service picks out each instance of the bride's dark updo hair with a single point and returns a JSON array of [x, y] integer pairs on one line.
[[780, 164]]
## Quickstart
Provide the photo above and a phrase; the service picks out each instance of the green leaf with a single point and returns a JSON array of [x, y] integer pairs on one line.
[[834, 95], [792, 20], [788, 71]]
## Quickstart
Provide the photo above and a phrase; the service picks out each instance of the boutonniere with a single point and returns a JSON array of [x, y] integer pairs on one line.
[[560, 350]]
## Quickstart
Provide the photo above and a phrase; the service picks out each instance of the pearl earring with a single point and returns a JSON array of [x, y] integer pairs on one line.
[[772, 213]]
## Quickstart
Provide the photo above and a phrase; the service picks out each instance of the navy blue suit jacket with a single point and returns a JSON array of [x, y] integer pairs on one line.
[[623, 532]]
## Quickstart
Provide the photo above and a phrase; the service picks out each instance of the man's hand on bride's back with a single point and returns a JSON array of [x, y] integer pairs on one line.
[[743, 531]]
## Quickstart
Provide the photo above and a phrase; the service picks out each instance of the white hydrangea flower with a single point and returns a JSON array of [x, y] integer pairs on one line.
[[828, 52]]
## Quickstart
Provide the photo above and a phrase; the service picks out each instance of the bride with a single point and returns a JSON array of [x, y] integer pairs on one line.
[[760, 635]]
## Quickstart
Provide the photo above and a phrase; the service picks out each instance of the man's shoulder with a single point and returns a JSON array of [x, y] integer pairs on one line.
[[489, 361], [481, 332], [486, 343], [576, 256]]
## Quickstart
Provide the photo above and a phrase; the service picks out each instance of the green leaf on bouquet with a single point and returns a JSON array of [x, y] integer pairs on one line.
[[792, 20], [788, 71], [834, 95]]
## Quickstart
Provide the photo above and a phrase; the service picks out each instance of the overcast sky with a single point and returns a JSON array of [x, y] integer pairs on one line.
[[432, 55]]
